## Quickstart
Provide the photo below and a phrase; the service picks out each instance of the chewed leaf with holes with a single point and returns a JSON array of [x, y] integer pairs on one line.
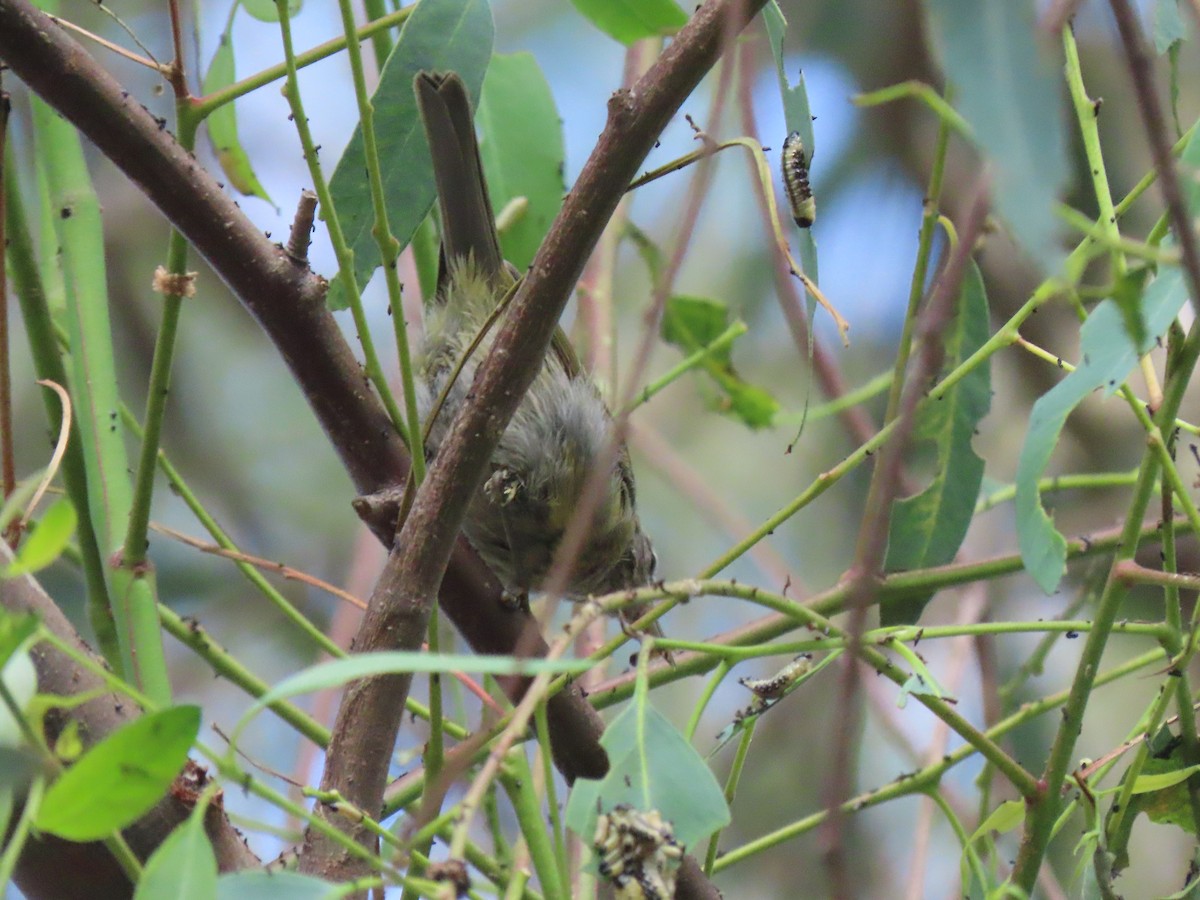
[[928, 528]]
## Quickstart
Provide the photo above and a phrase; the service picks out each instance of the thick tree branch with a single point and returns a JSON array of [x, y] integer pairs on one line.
[[287, 300]]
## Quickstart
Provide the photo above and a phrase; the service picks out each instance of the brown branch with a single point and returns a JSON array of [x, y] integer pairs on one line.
[[53, 868], [288, 301], [8, 470]]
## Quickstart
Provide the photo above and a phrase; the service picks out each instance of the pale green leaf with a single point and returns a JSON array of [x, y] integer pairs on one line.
[[121, 778], [653, 768], [223, 127], [46, 542], [522, 150], [268, 11], [276, 886], [1009, 90], [1004, 818], [631, 20], [1107, 358], [183, 867]]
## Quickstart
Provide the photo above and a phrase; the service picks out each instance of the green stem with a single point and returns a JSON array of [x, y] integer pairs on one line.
[[80, 252], [204, 106], [929, 777], [225, 664], [381, 41], [916, 287], [389, 247], [731, 786], [700, 357], [517, 781], [337, 238], [222, 539], [48, 363]]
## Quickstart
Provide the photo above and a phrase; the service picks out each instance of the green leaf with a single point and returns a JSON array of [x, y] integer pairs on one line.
[[440, 35], [928, 528], [1169, 26], [798, 118], [183, 867], [919, 684], [1004, 818], [1010, 93], [19, 766], [20, 679], [1160, 793], [276, 886], [222, 122], [796, 112], [1127, 294], [1108, 357], [1146, 784], [691, 324], [631, 20], [267, 11], [653, 767], [17, 502], [46, 542], [121, 778], [15, 630], [522, 150]]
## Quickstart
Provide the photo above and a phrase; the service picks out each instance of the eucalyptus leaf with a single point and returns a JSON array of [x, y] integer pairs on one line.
[[691, 324], [1009, 90], [276, 886], [928, 528], [522, 150], [631, 20], [268, 11], [440, 35], [1004, 818], [46, 541], [183, 867], [653, 768], [1169, 25], [1107, 358], [121, 778], [222, 123], [338, 672]]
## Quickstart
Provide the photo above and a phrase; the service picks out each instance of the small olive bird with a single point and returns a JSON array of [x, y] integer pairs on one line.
[[558, 434]]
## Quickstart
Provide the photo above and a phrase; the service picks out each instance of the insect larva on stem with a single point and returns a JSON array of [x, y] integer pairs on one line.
[[795, 181]]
